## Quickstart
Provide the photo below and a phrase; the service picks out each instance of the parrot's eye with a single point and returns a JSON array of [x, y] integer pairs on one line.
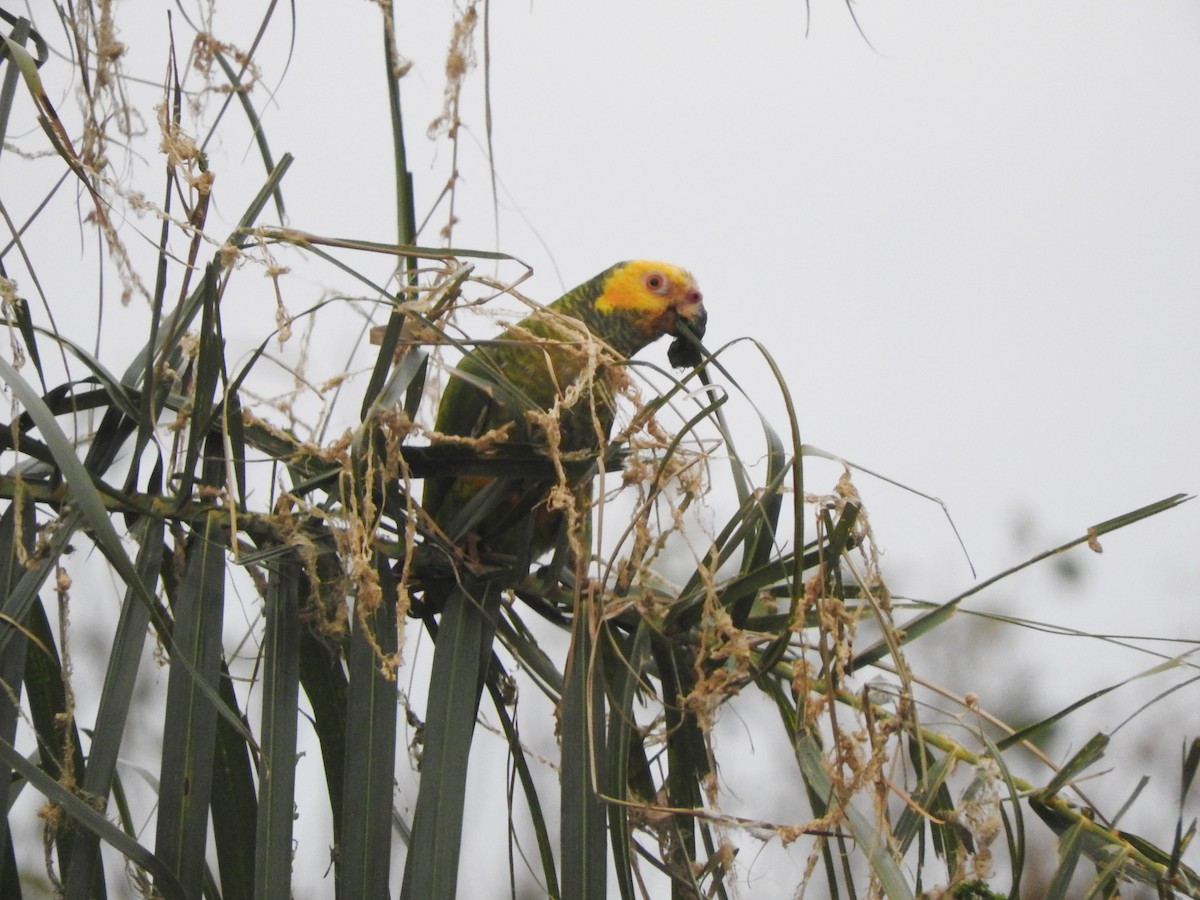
[[656, 282]]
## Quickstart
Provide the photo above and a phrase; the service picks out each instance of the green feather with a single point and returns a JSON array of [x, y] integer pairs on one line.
[[527, 368]]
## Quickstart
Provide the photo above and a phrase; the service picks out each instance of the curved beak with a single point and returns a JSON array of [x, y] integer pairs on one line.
[[690, 322]]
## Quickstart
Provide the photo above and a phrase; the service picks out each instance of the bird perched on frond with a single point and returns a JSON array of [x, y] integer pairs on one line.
[[548, 381]]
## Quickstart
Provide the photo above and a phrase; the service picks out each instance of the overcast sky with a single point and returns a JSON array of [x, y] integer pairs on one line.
[[971, 244]]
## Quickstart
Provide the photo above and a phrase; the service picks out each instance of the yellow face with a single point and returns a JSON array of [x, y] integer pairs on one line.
[[651, 289]]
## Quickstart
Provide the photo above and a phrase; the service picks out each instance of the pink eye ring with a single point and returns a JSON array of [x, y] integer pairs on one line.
[[656, 282]]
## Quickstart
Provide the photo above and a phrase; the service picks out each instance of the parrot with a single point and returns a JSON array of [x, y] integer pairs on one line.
[[511, 383]]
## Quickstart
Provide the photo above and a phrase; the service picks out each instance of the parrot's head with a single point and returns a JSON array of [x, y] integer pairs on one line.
[[654, 299]]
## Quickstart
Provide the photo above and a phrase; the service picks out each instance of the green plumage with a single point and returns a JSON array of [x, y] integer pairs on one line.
[[524, 371]]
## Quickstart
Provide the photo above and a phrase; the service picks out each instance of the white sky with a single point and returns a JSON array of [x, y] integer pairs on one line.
[[973, 250]]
